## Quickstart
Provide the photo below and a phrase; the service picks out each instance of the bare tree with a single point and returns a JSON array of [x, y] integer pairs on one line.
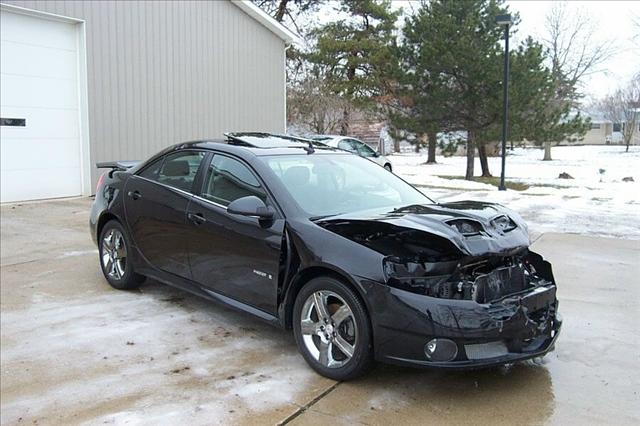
[[574, 52], [292, 13], [624, 107], [311, 107]]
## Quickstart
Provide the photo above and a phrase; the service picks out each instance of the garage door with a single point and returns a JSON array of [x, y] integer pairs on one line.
[[39, 116]]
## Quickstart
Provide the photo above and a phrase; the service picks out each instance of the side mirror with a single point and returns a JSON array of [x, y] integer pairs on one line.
[[376, 154], [250, 206]]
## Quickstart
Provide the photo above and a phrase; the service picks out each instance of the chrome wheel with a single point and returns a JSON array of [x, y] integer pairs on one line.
[[114, 254], [328, 329]]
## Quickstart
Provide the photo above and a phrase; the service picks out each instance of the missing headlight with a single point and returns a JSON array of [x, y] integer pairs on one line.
[[466, 227], [503, 224]]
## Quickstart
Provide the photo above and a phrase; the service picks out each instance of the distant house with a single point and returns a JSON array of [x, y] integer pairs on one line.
[[606, 132]]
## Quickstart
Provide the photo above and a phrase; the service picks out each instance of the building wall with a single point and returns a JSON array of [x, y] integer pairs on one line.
[[597, 136], [162, 72], [604, 133]]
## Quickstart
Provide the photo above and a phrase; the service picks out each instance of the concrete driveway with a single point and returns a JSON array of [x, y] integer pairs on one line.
[[74, 350]]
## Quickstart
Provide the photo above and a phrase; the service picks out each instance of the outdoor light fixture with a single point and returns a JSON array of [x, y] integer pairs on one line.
[[506, 21]]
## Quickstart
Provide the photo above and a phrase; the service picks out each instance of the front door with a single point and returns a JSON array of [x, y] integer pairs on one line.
[[156, 203], [234, 255]]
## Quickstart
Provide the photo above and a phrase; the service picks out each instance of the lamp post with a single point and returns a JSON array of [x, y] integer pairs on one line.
[[506, 21]]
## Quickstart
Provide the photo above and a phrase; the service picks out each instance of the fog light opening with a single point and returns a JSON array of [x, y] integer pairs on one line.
[[440, 350]]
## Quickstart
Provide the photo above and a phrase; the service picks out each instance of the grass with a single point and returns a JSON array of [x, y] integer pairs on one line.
[[494, 180]]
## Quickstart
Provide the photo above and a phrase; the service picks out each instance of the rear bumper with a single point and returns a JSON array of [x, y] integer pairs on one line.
[[513, 329]]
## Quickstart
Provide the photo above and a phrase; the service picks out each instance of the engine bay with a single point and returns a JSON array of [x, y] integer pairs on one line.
[[481, 280]]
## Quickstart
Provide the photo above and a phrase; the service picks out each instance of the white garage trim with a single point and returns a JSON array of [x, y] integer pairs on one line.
[[83, 96]]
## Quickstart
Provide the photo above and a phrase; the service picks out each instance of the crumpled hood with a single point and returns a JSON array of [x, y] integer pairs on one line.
[[431, 219]]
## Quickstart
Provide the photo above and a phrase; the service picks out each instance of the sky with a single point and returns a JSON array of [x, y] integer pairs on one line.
[[612, 20], [615, 21]]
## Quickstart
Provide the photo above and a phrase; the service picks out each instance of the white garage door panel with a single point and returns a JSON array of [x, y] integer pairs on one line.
[[39, 71], [24, 91], [38, 61], [43, 123], [15, 157], [30, 30], [40, 183]]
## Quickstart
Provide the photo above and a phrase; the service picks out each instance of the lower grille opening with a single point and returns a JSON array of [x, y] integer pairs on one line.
[[486, 350]]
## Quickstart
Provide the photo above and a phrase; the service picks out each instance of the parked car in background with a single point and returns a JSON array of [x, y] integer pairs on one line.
[[355, 147]]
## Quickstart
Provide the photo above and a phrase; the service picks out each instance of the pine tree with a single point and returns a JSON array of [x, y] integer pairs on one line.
[[356, 53]]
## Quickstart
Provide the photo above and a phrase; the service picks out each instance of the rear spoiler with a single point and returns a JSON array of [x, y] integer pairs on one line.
[[117, 165]]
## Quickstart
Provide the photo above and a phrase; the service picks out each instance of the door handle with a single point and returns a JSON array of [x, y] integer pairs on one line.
[[134, 194], [196, 218]]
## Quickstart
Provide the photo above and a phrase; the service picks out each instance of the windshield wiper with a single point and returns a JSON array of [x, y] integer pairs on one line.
[[324, 216]]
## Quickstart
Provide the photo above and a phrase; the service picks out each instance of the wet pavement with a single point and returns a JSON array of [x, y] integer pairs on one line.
[[76, 351]]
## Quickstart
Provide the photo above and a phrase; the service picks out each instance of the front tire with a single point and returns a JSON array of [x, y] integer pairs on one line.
[[115, 259], [332, 329], [388, 167]]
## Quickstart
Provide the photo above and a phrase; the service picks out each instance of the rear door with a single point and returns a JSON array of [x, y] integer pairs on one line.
[[234, 255], [156, 201]]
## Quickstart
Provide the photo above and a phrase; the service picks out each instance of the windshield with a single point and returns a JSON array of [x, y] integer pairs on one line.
[[327, 185]]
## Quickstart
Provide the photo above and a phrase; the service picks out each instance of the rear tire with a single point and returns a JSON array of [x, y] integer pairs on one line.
[[332, 329], [115, 257]]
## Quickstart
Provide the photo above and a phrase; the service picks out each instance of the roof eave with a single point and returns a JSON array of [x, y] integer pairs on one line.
[[267, 21]]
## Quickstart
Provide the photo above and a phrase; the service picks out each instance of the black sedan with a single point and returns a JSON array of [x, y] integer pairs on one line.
[[360, 264]]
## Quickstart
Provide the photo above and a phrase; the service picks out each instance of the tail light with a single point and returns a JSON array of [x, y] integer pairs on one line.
[[100, 181]]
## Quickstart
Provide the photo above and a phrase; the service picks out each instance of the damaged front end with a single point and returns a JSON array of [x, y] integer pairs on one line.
[[466, 301], [507, 307]]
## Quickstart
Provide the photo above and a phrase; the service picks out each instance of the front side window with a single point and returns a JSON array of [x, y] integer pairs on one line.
[[347, 145], [364, 150], [177, 170], [228, 179]]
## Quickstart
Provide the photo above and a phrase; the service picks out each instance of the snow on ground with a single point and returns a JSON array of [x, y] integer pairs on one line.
[[595, 202]]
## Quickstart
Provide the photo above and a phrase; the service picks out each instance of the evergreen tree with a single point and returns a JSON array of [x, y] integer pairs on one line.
[[452, 52], [356, 53]]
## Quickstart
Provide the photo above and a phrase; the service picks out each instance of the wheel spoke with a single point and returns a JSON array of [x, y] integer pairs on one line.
[[108, 241], [344, 346], [341, 314], [325, 354], [114, 271], [119, 267], [108, 265], [308, 327], [320, 301], [121, 252]]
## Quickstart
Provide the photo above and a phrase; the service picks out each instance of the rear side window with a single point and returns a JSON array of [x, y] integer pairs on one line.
[[177, 170], [151, 171], [228, 179]]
